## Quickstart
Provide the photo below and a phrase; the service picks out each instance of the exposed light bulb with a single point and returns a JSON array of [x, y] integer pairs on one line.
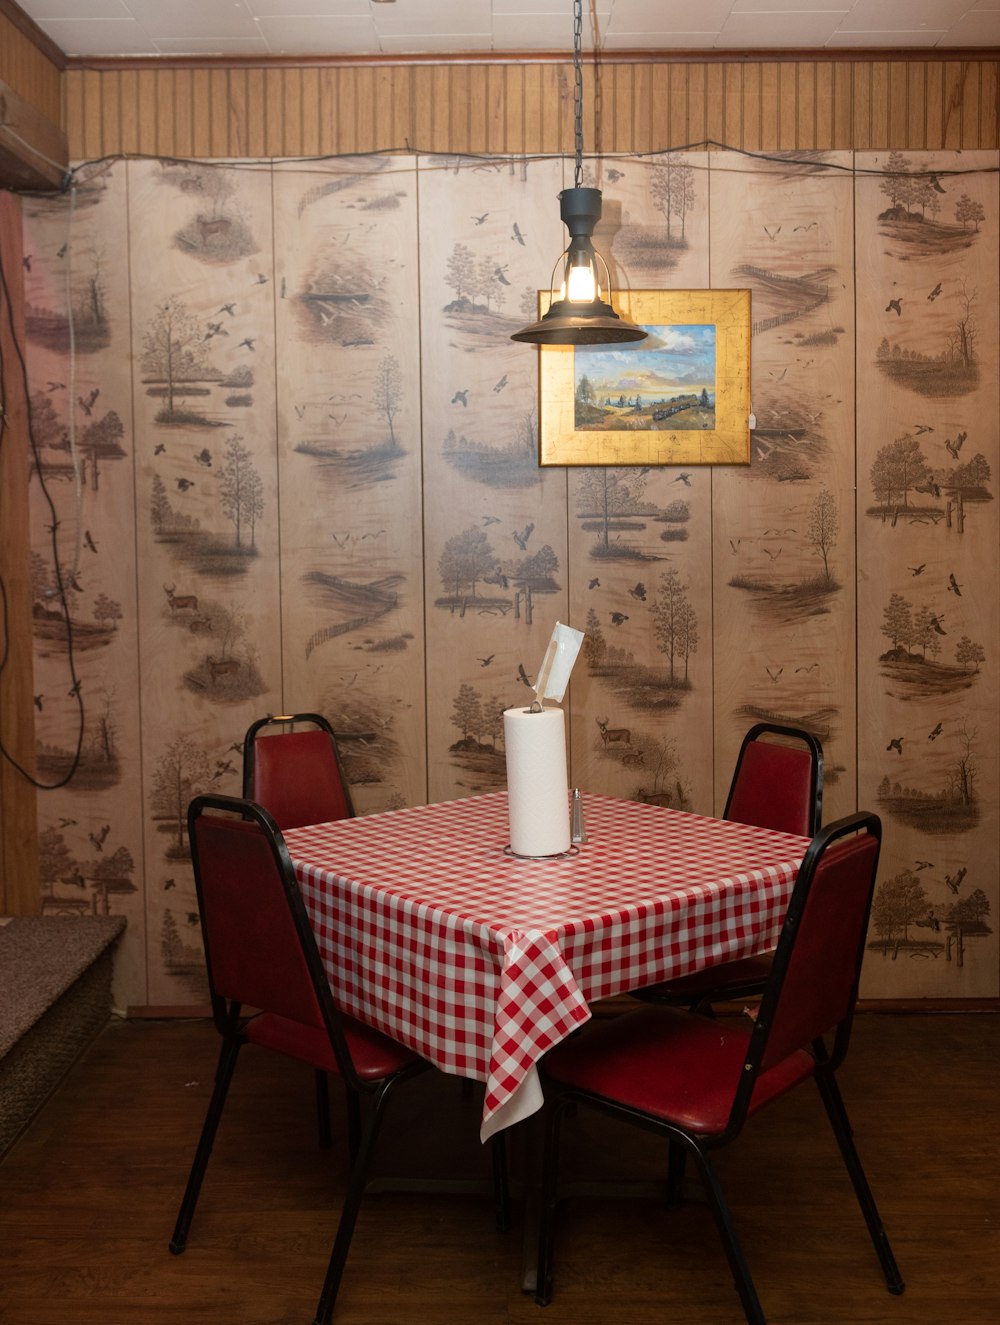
[[582, 287]]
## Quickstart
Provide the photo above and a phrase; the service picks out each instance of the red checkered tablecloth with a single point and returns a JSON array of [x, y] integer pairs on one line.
[[481, 962]]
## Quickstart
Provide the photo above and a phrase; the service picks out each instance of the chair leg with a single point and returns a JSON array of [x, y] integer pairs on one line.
[[834, 1104], [730, 1242], [223, 1076], [352, 1201], [547, 1213], [676, 1165], [353, 1123], [323, 1109], [501, 1199]]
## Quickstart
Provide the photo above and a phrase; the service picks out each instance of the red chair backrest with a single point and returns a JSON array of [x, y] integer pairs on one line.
[[297, 779], [774, 787], [254, 946], [818, 961]]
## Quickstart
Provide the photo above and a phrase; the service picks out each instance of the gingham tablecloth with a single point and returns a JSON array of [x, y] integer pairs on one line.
[[481, 962]]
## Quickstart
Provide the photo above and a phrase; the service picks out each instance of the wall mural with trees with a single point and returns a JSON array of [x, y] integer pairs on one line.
[[284, 456]]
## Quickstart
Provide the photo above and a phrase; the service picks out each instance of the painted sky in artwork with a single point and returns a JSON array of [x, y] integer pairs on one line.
[[672, 359]]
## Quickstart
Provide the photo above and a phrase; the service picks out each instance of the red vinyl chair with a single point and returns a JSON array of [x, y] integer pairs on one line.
[[261, 954], [777, 786], [671, 1072], [299, 779], [296, 775]]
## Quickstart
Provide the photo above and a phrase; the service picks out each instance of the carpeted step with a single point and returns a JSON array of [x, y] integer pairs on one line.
[[55, 996]]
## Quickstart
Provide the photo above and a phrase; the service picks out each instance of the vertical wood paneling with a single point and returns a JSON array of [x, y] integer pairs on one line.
[[19, 892], [164, 113], [274, 120], [183, 114], [237, 113], [794, 119], [898, 105], [799, 130], [697, 75], [914, 133], [733, 120], [256, 130], [750, 110], [659, 103], [310, 145], [879, 107], [971, 135], [756, 106], [951, 136], [128, 110], [514, 107], [149, 108], [844, 127], [715, 103], [219, 133], [988, 106], [201, 112], [29, 72]]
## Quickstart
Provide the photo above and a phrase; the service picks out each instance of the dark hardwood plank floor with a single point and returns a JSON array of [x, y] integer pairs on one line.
[[89, 1194]]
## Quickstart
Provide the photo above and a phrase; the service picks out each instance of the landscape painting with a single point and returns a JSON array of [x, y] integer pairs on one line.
[[642, 384], [680, 396]]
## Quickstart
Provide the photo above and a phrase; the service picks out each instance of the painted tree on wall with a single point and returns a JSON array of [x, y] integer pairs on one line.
[[182, 771], [172, 351]]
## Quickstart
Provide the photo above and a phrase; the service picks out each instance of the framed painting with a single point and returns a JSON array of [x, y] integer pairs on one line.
[[679, 397]]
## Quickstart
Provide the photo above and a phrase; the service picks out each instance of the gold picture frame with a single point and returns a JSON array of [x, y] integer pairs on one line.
[[604, 404]]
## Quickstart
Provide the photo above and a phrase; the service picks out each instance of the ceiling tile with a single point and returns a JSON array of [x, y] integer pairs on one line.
[[977, 28], [557, 8], [40, 9], [192, 18], [777, 30], [318, 36], [536, 32], [431, 17], [903, 15], [784, 6], [662, 41], [210, 46], [308, 8], [886, 40], [98, 36], [442, 44], [668, 16]]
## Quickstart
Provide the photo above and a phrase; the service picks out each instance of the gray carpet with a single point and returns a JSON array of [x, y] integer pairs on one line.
[[55, 996]]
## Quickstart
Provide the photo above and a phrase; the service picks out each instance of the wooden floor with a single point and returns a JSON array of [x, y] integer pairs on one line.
[[88, 1198]]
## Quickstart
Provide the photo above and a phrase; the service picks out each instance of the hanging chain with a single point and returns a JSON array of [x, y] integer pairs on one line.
[[578, 91]]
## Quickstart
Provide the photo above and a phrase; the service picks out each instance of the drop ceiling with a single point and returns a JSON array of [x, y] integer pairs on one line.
[[363, 28]]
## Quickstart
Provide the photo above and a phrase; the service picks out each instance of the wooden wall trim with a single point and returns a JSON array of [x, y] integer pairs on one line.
[[516, 58], [237, 109], [19, 891]]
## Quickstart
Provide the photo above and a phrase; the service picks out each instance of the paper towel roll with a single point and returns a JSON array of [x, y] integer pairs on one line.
[[537, 783]]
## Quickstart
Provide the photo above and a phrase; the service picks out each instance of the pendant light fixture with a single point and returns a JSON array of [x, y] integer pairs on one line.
[[579, 313]]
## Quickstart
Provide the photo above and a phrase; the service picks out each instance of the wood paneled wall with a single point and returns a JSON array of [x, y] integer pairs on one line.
[[641, 106], [29, 69]]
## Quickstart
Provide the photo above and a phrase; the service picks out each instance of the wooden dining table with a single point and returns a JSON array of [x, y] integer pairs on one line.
[[431, 931]]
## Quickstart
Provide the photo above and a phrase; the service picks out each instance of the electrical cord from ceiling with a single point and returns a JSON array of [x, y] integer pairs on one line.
[[7, 313]]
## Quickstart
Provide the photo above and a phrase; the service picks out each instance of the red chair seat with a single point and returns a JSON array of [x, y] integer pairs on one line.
[[675, 1067], [746, 975], [374, 1055]]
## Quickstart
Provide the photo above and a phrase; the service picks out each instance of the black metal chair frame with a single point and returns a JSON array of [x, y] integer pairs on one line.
[[290, 719], [231, 1024], [816, 752], [752, 988], [827, 1062]]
